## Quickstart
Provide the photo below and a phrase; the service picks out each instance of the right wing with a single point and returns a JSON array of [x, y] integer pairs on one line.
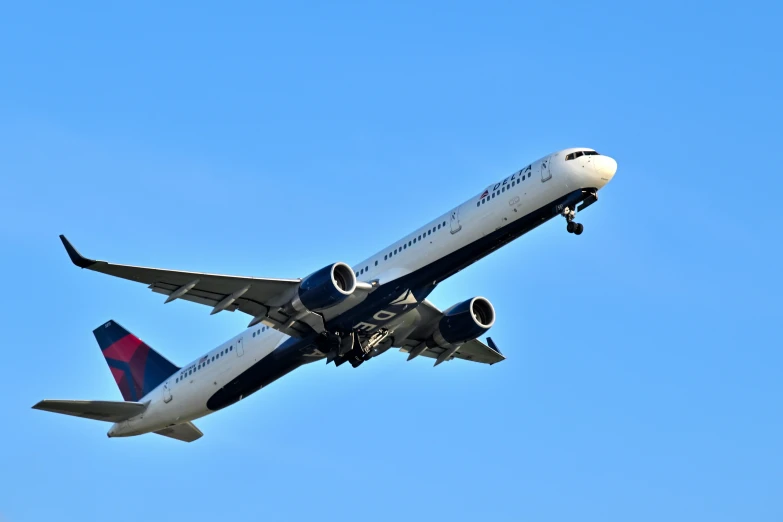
[[186, 432], [109, 411], [415, 343], [258, 297], [474, 350]]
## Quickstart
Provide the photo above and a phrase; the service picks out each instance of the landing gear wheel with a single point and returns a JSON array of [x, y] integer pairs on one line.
[[571, 227], [579, 229]]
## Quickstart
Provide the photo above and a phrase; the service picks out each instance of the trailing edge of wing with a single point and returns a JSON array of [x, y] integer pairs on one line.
[[474, 351]]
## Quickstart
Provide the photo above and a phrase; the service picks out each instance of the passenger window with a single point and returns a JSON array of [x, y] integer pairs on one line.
[[438, 226], [366, 268], [414, 240], [410, 243], [376, 263]]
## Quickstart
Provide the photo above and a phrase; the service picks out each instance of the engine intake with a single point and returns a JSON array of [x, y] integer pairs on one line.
[[324, 288], [464, 321]]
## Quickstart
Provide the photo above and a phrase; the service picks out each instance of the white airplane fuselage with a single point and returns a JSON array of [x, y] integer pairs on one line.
[[403, 274]]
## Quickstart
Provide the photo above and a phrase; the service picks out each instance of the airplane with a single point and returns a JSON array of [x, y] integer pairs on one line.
[[338, 313]]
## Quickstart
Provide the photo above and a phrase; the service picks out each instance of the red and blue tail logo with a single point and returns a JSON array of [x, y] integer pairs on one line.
[[136, 367]]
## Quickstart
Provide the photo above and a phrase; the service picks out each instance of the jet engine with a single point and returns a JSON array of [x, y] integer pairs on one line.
[[463, 322], [324, 288]]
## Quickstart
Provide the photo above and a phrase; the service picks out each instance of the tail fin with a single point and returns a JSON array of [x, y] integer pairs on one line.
[[136, 367]]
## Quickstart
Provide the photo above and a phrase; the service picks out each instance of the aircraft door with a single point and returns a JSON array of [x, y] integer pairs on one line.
[[240, 348], [166, 392], [455, 224], [546, 173]]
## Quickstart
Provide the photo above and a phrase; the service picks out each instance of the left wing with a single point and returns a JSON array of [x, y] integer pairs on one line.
[[415, 343], [258, 297]]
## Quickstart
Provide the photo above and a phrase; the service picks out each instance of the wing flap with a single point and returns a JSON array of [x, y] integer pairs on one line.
[[108, 411], [475, 351], [186, 432], [272, 291]]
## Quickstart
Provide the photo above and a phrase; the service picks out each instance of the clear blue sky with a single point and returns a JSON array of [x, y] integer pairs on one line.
[[644, 370]]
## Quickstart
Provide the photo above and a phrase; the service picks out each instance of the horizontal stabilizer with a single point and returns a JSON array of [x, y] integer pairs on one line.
[[186, 432], [109, 411]]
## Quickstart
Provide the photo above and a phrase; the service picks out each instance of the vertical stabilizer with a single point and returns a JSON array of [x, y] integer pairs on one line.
[[136, 367]]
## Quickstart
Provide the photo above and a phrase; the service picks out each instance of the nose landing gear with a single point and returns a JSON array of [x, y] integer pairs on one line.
[[572, 226]]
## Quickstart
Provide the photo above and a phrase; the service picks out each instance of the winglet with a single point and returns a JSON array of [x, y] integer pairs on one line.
[[492, 345], [76, 258]]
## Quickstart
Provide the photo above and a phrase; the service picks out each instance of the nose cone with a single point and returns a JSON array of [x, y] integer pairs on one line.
[[605, 167]]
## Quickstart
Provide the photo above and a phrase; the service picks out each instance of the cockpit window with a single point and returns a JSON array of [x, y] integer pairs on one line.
[[577, 154]]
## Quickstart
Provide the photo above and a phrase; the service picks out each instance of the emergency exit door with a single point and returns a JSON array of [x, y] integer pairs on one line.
[[455, 224]]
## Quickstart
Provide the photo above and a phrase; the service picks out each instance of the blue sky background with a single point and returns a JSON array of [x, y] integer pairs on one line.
[[644, 370]]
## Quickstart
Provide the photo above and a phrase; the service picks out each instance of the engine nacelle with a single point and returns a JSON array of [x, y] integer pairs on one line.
[[324, 288], [464, 322]]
